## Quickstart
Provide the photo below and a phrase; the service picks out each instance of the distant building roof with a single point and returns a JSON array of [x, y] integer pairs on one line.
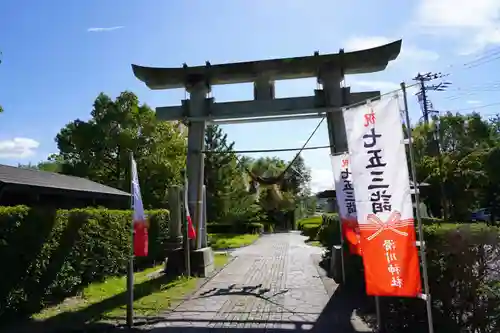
[[326, 194], [43, 179]]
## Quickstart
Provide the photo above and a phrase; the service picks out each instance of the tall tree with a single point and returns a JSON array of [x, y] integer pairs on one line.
[[298, 178], [227, 198], [466, 142], [99, 149]]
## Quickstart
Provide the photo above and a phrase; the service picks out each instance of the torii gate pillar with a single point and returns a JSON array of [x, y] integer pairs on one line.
[[195, 158], [335, 97]]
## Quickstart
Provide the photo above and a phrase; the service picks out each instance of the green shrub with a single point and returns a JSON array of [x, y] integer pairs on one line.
[[235, 228], [310, 221], [310, 231], [52, 254], [329, 232]]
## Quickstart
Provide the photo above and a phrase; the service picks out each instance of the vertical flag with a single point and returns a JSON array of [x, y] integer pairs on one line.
[[383, 200], [345, 199], [191, 231], [139, 217]]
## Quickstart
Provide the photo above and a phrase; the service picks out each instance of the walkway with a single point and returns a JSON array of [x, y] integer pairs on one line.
[[271, 286]]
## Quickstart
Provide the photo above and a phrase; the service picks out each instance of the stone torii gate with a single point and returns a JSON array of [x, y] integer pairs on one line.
[[329, 69]]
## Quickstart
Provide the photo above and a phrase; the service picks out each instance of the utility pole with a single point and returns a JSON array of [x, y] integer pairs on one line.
[[428, 108], [423, 99]]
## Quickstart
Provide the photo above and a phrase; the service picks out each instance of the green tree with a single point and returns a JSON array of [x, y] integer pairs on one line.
[[227, 196], [53, 164], [99, 149], [298, 178], [466, 142]]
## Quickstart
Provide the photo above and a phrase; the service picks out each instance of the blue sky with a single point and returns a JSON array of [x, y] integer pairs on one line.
[[54, 67]]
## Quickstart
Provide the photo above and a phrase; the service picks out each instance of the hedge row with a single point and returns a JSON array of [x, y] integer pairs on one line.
[[319, 227], [238, 228], [464, 278], [47, 255]]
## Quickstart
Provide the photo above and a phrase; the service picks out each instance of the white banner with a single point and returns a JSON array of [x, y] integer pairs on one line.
[[383, 200], [344, 191], [343, 186]]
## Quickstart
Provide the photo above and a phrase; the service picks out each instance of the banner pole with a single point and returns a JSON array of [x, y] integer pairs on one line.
[[427, 295], [342, 263], [130, 269], [187, 258], [379, 314]]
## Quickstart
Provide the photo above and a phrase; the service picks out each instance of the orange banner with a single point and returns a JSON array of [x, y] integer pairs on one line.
[[351, 233], [391, 261]]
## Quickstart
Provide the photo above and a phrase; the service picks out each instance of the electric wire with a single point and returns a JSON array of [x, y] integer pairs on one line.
[[276, 179]]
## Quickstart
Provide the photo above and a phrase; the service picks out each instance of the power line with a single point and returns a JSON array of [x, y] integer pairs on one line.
[[482, 59], [474, 107], [267, 150]]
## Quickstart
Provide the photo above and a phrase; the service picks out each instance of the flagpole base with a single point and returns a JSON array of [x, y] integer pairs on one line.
[[202, 262]]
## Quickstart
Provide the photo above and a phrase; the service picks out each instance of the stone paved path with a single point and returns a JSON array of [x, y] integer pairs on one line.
[[270, 286]]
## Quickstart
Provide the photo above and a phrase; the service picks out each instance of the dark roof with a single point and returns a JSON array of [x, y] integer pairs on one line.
[[326, 194], [44, 179]]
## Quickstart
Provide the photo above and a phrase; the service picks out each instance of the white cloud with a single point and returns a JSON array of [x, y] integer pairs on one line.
[[105, 29], [475, 24], [383, 86], [321, 179], [408, 52], [18, 148], [473, 102]]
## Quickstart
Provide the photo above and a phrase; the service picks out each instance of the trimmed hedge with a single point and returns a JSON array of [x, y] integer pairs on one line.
[[317, 227], [464, 278], [464, 282], [236, 228], [48, 255]]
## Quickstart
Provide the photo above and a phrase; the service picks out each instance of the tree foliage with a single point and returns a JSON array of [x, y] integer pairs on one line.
[[467, 167], [227, 195], [53, 164], [99, 149]]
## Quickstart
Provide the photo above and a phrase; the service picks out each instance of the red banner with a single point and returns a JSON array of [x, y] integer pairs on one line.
[[191, 231], [141, 243]]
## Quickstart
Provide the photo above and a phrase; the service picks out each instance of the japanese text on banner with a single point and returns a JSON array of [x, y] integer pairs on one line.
[[344, 190], [383, 200]]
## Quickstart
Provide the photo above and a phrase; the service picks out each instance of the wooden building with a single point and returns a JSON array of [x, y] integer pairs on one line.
[[30, 187]]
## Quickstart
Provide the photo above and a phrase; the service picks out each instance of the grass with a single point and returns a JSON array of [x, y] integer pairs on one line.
[[231, 241], [314, 243], [220, 259], [106, 300]]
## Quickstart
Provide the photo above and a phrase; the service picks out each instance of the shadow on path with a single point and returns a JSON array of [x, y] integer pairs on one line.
[[335, 318]]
